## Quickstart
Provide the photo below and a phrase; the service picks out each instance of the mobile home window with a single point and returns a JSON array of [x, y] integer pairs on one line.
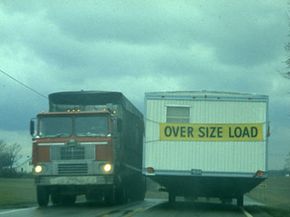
[[177, 114]]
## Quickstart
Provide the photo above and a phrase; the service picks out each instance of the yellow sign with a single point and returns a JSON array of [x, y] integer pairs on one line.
[[211, 132]]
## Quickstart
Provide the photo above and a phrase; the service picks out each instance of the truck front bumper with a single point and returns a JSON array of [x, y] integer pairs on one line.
[[74, 180]]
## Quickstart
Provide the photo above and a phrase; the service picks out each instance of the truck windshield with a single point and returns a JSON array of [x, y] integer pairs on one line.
[[55, 126], [91, 126]]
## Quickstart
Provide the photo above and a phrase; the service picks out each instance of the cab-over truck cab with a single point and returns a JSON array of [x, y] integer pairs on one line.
[[82, 147]]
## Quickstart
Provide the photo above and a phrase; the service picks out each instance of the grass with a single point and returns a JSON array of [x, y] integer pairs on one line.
[[275, 194], [17, 192]]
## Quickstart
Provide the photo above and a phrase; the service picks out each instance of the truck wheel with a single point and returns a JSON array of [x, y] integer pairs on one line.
[[171, 197], [42, 195], [110, 197], [137, 194], [142, 195], [141, 189], [240, 200], [121, 195]]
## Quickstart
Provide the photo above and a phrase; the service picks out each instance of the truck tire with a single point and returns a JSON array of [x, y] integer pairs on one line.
[[42, 196], [116, 196], [110, 197], [142, 190], [121, 195], [240, 200], [142, 195], [137, 193]]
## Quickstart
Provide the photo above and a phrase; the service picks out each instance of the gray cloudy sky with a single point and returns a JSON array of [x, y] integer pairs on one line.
[[140, 46]]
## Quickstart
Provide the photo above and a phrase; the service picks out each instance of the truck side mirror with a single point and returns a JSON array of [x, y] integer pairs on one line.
[[119, 125], [32, 127]]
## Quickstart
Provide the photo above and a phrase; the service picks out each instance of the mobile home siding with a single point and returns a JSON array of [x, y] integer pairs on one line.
[[213, 157]]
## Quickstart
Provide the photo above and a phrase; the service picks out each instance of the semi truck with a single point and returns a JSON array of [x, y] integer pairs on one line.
[[206, 143], [88, 143]]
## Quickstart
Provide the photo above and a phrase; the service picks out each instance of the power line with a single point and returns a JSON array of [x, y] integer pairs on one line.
[[22, 84]]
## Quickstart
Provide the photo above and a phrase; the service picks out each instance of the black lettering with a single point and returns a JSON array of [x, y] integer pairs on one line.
[[238, 132], [201, 133], [220, 132], [167, 131], [190, 132], [254, 132], [175, 131], [182, 132], [212, 132], [246, 132]]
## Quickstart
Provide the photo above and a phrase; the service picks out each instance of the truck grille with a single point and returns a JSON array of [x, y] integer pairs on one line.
[[79, 152], [72, 169], [72, 152]]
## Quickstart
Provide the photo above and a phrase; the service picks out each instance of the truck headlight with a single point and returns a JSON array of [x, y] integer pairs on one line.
[[107, 167], [38, 169]]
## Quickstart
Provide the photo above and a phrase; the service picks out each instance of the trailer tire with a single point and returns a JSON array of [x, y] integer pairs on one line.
[[171, 197], [240, 200], [226, 200], [42, 195]]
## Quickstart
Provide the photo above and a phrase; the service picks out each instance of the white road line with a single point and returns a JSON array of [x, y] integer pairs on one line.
[[246, 213], [15, 210]]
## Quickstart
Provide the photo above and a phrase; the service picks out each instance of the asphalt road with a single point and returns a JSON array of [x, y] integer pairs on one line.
[[147, 208]]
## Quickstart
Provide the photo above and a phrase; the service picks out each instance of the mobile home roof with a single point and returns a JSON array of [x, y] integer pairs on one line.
[[205, 95]]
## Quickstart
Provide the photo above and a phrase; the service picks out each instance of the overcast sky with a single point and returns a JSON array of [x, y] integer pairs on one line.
[[142, 46]]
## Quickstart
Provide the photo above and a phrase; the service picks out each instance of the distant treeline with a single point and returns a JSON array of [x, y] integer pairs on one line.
[[12, 173], [278, 173]]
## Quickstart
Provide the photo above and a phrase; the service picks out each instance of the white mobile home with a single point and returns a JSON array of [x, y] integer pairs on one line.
[[211, 144]]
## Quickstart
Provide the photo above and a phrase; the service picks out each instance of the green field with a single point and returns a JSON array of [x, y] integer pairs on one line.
[[275, 194], [18, 192]]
